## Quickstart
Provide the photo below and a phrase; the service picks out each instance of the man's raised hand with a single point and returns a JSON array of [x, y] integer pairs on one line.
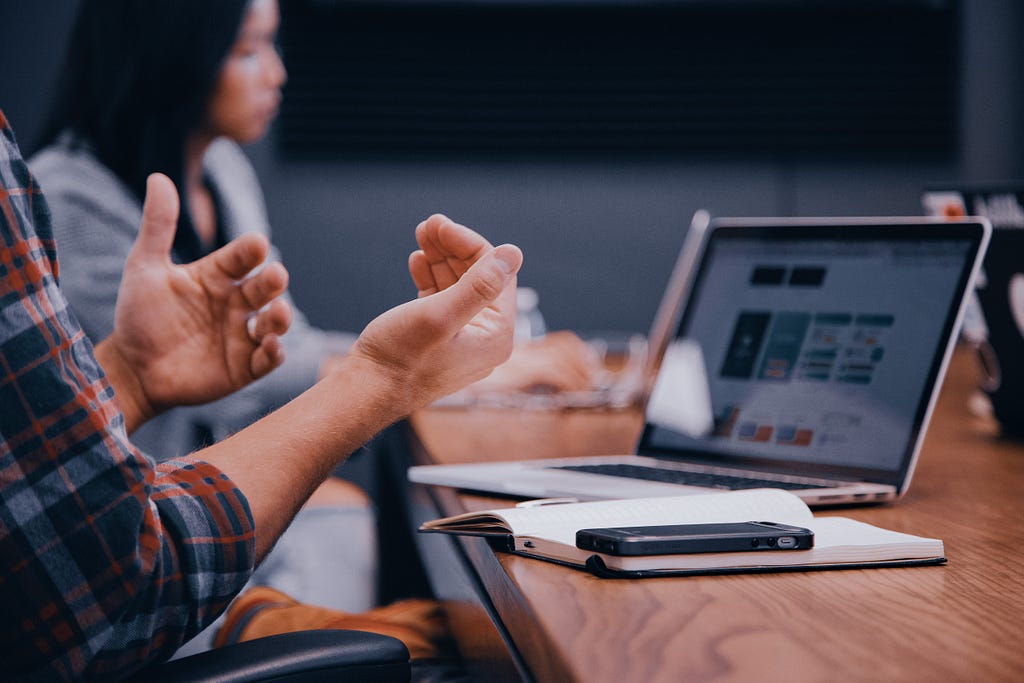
[[188, 334]]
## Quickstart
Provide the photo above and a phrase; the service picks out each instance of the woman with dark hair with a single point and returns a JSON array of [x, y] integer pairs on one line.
[[137, 83]]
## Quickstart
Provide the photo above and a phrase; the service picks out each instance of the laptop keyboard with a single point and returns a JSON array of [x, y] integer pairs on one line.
[[705, 479]]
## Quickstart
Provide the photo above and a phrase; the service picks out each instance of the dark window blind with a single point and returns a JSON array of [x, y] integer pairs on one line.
[[720, 79]]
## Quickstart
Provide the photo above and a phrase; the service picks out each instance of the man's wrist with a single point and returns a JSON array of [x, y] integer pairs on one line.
[[389, 396], [131, 394]]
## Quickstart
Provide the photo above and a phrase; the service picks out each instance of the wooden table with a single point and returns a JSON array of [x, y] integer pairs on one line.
[[519, 618]]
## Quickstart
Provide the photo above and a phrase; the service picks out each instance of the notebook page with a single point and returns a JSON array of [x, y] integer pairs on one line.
[[838, 538]]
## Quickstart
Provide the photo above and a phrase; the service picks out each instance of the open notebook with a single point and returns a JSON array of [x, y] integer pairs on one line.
[[548, 532], [819, 346]]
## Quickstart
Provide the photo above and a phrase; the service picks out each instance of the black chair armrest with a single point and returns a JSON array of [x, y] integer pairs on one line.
[[303, 656]]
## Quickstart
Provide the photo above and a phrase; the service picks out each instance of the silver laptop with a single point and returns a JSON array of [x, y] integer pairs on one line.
[[806, 354]]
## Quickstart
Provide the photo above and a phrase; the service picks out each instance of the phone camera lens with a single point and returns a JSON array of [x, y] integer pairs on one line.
[[754, 542], [771, 542]]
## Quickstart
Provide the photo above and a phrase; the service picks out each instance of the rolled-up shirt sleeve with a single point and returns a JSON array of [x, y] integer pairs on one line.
[[108, 562]]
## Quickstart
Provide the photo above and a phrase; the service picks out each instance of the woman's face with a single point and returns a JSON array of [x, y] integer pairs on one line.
[[248, 90]]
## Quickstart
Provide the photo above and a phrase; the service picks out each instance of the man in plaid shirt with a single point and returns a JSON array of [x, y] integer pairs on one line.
[[109, 562]]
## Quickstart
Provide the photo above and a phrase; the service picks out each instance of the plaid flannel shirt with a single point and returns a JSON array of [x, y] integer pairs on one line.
[[107, 562]]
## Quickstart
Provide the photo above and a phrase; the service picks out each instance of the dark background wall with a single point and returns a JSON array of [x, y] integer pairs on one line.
[[600, 231]]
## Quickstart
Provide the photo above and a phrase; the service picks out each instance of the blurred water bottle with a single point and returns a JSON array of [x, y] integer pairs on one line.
[[529, 321]]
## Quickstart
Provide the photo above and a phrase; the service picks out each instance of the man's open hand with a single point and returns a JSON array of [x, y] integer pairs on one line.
[[461, 325], [188, 334]]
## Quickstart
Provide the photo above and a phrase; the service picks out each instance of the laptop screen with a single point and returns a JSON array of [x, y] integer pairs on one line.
[[819, 346]]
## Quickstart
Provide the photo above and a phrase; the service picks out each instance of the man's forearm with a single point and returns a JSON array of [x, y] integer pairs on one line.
[[278, 461]]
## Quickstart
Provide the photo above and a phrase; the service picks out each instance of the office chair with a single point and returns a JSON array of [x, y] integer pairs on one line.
[[325, 655]]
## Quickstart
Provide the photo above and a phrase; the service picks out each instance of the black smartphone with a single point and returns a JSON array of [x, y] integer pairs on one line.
[[675, 539]]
